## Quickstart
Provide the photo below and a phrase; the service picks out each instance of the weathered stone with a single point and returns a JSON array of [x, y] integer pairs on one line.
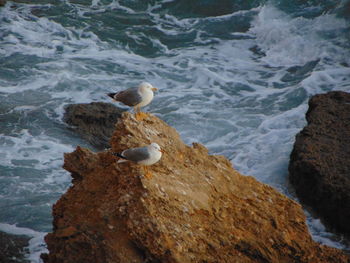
[[320, 161], [12, 248], [94, 121], [195, 208]]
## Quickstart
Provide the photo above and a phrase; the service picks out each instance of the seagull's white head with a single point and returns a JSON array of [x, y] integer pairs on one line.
[[146, 85], [156, 147]]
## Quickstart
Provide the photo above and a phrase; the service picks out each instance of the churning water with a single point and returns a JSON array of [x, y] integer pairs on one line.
[[234, 75]]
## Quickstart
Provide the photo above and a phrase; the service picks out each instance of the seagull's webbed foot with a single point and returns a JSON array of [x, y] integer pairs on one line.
[[148, 174], [140, 116]]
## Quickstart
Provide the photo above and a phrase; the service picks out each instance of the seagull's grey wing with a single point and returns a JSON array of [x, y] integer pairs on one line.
[[130, 97], [136, 154]]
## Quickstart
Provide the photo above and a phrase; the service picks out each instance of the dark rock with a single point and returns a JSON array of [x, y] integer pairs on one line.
[[93, 121], [12, 248], [319, 167], [2, 2]]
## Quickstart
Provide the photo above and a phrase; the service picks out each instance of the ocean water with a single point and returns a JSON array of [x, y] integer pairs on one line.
[[235, 76]]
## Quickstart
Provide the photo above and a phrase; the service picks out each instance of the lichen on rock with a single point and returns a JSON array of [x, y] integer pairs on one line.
[[195, 208]]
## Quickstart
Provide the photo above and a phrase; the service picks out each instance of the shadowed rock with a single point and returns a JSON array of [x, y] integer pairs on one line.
[[195, 208], [94, 121], [320, 161], [12, 248]]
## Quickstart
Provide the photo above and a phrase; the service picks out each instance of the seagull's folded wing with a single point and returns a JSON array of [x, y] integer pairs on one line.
[[130, 97], [136, 154]]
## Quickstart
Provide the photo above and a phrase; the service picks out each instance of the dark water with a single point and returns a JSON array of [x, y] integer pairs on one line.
[[233, 75]]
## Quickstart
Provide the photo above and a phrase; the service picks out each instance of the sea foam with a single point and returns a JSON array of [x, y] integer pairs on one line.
[[36, 243]]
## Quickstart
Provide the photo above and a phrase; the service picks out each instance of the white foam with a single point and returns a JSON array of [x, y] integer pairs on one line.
[[37, 83], [95, 3], [289, 41], [46, 151], [36, 244], [25, 108], [321, 235], [116, 5], [41, 37], [322, 81]]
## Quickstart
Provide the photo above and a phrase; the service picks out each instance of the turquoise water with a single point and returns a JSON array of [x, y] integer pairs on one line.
[[233, 75]]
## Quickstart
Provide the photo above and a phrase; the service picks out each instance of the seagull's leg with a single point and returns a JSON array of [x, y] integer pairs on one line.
[[148, 174], [139, 115], [137, 110]]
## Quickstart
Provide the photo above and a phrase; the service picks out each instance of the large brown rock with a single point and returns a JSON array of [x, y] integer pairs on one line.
[[95, 121], [195, 208], [320, 161]]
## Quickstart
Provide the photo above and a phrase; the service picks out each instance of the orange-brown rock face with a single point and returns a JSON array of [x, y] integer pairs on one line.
[[195, 208]]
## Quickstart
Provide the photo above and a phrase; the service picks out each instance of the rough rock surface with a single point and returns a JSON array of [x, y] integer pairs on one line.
[[195, 208], [320, 161], [12, 248], [94, 121]]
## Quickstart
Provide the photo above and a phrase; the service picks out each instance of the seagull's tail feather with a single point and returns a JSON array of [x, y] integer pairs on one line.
[[119, 155], [122, 160], [111, 95]]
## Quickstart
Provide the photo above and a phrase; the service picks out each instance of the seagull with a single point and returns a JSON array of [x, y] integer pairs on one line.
[[136, 97], [145, 156]]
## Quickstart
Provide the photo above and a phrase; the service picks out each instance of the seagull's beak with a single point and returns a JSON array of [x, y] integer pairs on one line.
[[154, 89]]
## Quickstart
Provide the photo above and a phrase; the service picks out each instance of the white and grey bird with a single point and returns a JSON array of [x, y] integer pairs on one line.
[[146, 156], [136, 97]]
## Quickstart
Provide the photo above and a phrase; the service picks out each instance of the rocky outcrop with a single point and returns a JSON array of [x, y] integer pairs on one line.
[[320, 161], [94, 121], [12, 248], [194, 208]]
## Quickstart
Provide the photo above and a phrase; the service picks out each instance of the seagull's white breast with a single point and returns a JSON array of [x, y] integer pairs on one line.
[[147, 97], [155, 156]]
